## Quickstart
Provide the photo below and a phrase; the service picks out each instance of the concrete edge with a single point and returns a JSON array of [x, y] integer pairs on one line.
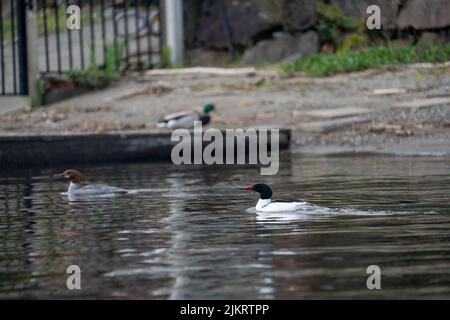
[[19, 151]]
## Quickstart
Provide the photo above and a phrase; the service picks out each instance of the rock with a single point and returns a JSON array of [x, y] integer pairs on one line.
[[396, 129], [430, 14], [299, 15], [385, 92], [192, 12], [402, 42], [331, 125], [255, 81], [247, 19], [358, 9], [207, 58], [335, 113], [52, 82], [429, 39], [422, 103], [286, 47], [255, 19]]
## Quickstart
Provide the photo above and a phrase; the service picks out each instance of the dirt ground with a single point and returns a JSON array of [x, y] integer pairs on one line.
[[352, 113]]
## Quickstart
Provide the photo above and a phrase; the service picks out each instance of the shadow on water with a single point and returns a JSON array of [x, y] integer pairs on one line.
[[188, 232]]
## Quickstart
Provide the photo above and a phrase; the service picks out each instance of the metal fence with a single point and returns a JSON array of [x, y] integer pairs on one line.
[[124, 33], [12, 47]]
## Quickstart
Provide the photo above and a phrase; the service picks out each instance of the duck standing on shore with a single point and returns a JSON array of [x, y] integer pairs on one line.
[[186, 119], [76, 186]]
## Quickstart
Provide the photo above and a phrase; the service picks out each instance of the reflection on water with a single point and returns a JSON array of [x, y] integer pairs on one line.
[[188, 232]]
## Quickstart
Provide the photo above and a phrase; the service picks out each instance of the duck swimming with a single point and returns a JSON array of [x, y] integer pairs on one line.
[[76, 186], [186, 119], [265, 204]]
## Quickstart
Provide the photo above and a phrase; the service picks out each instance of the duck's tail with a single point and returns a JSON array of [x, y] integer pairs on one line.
[[162, 124]]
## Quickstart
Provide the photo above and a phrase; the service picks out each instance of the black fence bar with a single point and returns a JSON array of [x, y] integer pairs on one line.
[[149, 33], [102, 16], [80, 4], [13, 41], [22, 44], [125, 21], [91, 22], [116, 58], [69, 42], [47, 58], [161, 32], [58, 44], [2, 58], [138, 38]]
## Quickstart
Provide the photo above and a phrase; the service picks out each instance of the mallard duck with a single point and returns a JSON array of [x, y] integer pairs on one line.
[[186, 119]]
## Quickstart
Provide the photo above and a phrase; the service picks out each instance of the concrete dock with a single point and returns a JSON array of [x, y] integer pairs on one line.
[[22, 151]]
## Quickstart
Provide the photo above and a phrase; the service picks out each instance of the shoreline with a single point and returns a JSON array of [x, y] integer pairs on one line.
[[402, 111]]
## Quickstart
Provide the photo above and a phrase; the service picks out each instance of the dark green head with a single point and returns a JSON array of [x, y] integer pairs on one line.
[[263, 189], [208, 108]]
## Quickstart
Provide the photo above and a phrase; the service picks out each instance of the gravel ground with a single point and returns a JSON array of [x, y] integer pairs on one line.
[[267, 98]]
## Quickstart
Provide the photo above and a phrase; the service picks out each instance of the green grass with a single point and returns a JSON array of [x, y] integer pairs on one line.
[[372, 58], [165, 56], [40, 93], [335, 17], [96, 77]]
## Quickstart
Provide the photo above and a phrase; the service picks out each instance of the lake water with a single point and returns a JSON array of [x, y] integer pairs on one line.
[[190, 234]]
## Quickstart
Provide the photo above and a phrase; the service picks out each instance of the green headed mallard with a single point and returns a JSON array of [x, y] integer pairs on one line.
[[186, 119]]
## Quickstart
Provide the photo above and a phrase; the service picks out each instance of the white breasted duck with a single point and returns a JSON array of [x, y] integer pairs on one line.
[[186, 119], [76, 186], [265, 204]]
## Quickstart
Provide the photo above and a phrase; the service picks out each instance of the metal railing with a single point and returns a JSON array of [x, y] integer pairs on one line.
[[11, 67], [103, 24], [128, 32]]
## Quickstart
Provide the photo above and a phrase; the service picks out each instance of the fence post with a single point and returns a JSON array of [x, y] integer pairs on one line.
[[174, 30], [32, 45], [22, 45]]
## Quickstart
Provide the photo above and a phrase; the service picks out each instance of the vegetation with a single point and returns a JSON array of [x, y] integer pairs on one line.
[[352, 41], [165, 56], [332, 22], [40, 93], [97, 77], [328, 64], [333, 17], [92, 77]]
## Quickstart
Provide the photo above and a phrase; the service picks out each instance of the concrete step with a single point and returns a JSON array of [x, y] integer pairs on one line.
[[422, 103], [334, 113], [331, 125]]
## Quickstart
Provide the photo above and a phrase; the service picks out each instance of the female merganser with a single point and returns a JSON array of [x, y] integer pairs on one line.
[[76, 187], [265, 204], [186, 119]]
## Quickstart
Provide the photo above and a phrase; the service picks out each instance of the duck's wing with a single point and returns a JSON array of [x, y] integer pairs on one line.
[[179, 120], [96, 189], [282, 200], [289, 200], [185, 120], [179, 115]]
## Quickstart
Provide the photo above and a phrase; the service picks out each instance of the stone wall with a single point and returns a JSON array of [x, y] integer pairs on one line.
[[267, 31]]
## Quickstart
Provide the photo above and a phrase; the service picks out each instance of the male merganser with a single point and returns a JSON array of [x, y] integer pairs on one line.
[[76, 187], [265, 204], [186, 119]]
